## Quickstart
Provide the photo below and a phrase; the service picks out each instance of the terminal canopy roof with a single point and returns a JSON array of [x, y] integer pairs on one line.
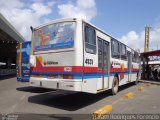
[[8, 33], [151, 53], [153, 57]]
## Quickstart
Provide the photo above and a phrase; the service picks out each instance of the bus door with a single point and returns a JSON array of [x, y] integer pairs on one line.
[[103, 64], [129, 56]]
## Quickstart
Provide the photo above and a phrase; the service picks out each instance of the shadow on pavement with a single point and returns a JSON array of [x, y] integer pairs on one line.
[[71, 102], [34, 89]]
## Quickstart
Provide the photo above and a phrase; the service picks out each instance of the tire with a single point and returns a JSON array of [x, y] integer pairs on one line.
[[115, 86]]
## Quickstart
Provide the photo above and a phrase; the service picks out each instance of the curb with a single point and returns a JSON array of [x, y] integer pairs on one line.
[[151, 82], [103, 111]]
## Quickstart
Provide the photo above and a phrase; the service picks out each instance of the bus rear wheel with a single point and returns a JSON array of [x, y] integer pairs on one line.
[[115, 85]]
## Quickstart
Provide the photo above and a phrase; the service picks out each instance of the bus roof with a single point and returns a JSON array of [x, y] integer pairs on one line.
[[56, 21], [75, 19]]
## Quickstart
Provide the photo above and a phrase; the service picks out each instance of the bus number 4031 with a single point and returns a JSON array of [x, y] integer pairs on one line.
[[89, 61]]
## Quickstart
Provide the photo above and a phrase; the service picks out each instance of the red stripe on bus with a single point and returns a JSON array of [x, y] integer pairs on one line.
[[86, 69], [77, 69], [62, 69]]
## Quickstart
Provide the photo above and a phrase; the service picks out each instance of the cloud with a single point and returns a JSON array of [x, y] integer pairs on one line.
[[9, 4], [51, 3], [85, 9], [133, 39], [23, 15], [40, 9], [155, 38], [136, 40]]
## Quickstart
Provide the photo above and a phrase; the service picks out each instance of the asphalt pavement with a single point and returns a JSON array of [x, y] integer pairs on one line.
[[19, 98]]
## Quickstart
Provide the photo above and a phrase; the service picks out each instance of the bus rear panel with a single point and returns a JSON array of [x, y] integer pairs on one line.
[[56, 61]]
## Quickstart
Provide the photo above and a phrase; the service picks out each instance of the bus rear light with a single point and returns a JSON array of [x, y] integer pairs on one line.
[[52, 76], [39, 76], [60, 76], [68, 76]]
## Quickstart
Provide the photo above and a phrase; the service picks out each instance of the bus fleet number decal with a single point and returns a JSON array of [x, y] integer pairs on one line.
[[89, 61]]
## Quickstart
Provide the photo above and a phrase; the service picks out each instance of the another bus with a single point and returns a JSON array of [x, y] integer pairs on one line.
[[74, 55], [23, 66]]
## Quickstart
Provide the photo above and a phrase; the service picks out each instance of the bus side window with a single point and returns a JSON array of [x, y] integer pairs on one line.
[[90, 40], [138, 58], [123, 52], [135, 57], [115, 46]]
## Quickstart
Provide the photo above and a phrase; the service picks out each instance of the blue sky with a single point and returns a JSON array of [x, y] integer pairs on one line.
[[123, 19], [120, 16]]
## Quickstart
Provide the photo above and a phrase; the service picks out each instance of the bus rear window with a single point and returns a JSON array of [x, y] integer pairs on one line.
[[54, 36]]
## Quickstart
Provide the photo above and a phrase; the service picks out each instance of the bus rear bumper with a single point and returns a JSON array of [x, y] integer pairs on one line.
[[56, 84]]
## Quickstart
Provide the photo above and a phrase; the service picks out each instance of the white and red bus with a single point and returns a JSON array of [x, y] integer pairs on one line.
[[74, 55]]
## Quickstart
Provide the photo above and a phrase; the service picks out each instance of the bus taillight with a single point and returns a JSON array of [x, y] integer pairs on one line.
[[68, 76], [60, 76]]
